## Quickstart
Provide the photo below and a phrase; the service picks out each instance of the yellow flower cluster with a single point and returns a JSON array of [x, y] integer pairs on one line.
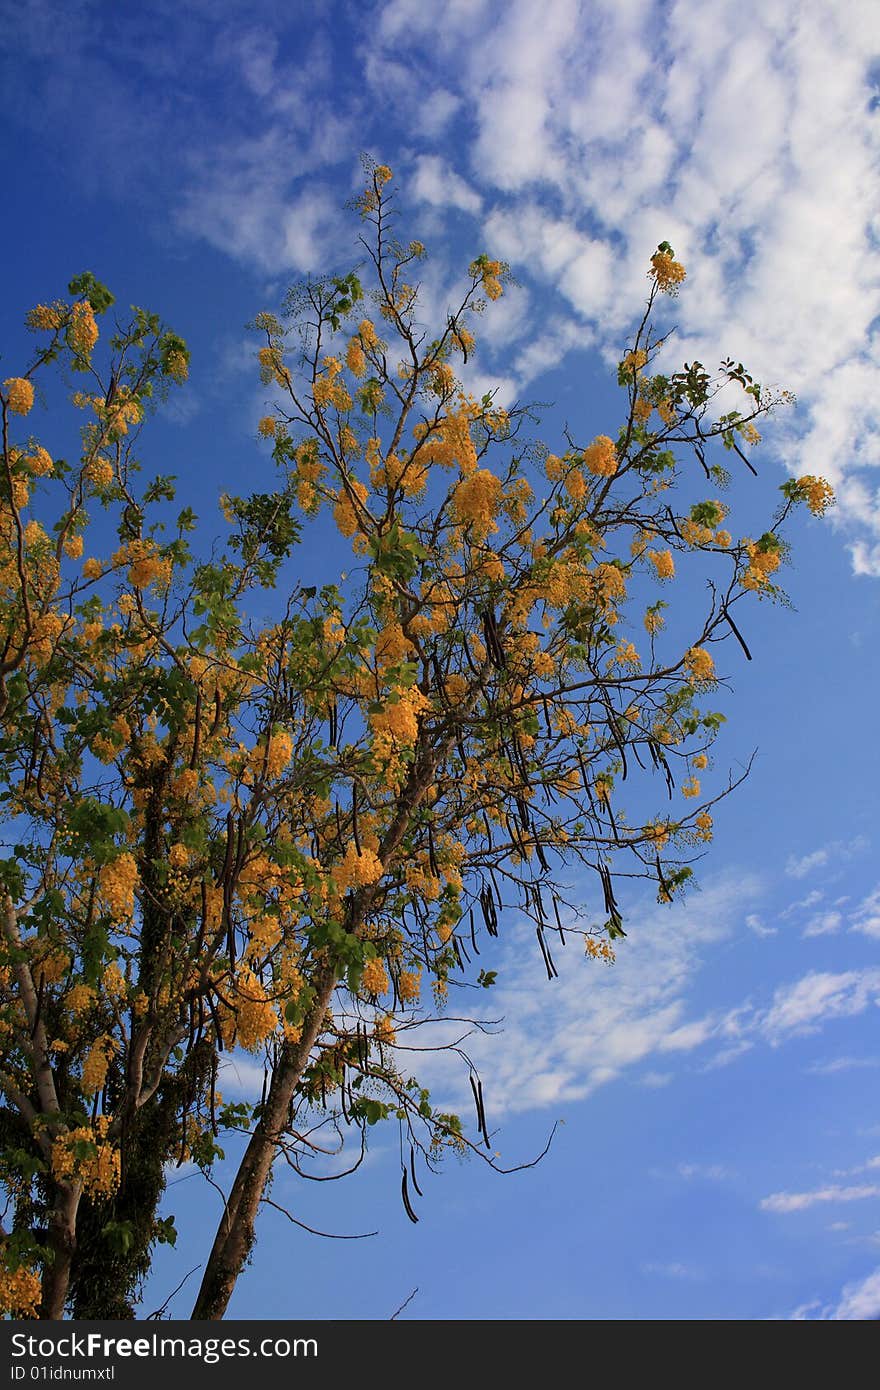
[[409, 985], [763, 561], [122, 412], [817, 493], [489, 272], [657, 833], [704, 826], [39, 462], [99, 471], [625, 655], [96, 1064], [399, 717], [326, 390], [113, 981], [476, 500], [667, 271], [345, 513], [634, 361], [274, 757], [700, 664], [375, 977], [267, 427], [357, 869], [118, 881], [147, 565], [356, 358], [272, 366], [602, 787], [663, 563], [451, 442], [177, 366], [599, 950], [600, 457], [610, 582], [80, 998], [19, 394], [98, 1170], [367, 334], [256, 1019], [384, 1030], [82, 331], [691, 787], [45, 318], [20, 1291]]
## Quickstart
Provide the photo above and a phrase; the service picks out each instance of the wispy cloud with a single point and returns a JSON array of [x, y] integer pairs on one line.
[[706, 1172], [836, 850], [866, 918], [563, 1039], [859, 1302], [837, 1064], [803, 1007], [800, 1201], [673, 1269]]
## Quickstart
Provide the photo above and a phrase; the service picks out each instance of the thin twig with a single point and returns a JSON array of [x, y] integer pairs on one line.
[[403, 1305]]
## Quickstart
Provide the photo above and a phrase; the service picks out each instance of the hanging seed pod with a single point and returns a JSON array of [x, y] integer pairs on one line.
[[412, 1171], [407, 1205]]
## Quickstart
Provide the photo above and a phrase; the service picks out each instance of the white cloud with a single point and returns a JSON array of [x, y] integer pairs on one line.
[[824, 855], [707, 1172], [760, 928], [866, 918], [804, 1006], [565, 1038], [800, 1201], [859, 1302], [674, 1269], [823, 924], [435, 183], [838, 1064]]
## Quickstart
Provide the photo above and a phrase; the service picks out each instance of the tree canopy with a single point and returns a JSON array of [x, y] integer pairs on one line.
[[290, 837]]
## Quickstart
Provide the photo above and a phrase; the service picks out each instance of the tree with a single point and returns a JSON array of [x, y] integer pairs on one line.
[[285, 837]]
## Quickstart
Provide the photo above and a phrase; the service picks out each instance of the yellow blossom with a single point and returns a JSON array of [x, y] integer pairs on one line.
[[375, 977], [818, 493], [699, 663], [19, 394], [667, 271], [663, 563], [600, 457]]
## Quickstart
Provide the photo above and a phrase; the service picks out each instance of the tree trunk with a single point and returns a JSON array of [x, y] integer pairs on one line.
[[235, 1234], [62, 1247]]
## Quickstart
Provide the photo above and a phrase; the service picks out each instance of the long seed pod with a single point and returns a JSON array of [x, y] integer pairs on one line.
[[483, 1125], [736, 632], [407, 1205], [558, 922], [412, 1171], [473, 934], [552, 972]]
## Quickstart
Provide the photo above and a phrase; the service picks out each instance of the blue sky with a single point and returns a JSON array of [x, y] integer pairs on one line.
[[720, 1151]]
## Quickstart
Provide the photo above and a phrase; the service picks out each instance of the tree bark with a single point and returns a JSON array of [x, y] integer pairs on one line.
[[62, 1247], [235, 1234]]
